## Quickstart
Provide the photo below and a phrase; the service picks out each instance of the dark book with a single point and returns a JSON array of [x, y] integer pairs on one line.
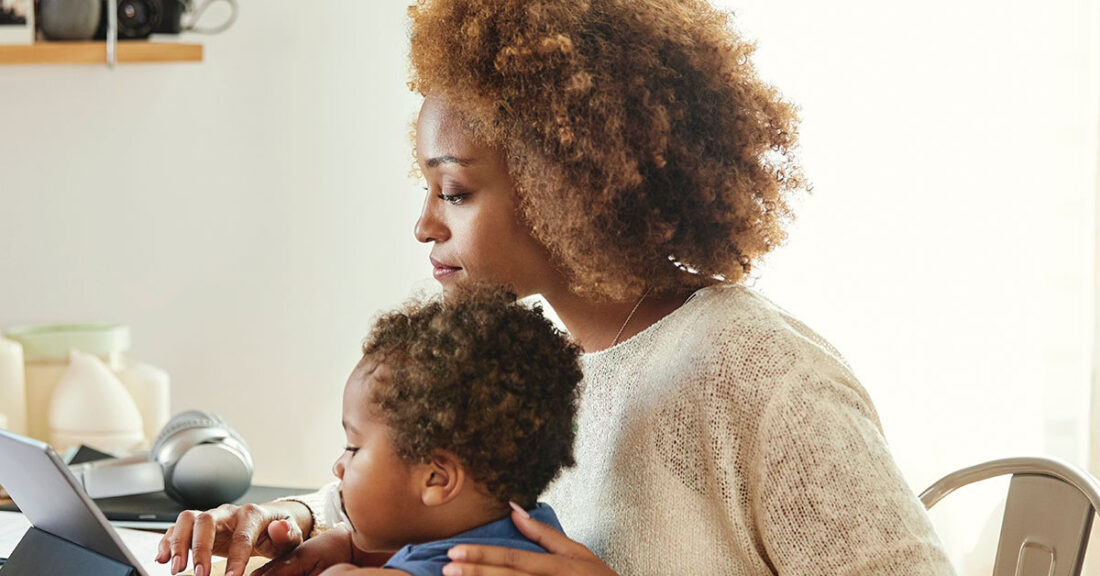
[[155, 509]]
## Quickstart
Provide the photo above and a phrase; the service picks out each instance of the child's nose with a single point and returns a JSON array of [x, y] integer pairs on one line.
[[338, 467]]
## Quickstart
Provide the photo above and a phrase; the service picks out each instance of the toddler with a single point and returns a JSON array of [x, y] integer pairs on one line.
[[457, 410]]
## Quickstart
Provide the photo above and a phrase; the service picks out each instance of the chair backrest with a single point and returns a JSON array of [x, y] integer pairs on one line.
[[1048, 513]]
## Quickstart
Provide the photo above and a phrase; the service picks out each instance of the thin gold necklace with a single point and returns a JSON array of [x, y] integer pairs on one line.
[[628, 317]]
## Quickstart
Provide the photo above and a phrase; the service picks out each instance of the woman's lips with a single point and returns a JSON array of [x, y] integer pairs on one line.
[[441, 271]]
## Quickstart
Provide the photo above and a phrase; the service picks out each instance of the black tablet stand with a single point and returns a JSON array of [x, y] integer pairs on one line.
[[40, 553]]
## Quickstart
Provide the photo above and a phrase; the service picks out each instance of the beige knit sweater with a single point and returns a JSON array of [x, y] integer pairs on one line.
[[728, 438]]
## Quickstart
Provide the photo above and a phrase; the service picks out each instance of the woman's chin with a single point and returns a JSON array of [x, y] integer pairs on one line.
[[453, 282]]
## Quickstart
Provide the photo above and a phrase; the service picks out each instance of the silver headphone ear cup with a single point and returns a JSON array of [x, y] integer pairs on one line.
[[183, 421], [210, 474], [205, 462]]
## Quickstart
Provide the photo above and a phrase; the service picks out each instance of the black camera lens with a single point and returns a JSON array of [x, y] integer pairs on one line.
[[133, 12], [138, 18]]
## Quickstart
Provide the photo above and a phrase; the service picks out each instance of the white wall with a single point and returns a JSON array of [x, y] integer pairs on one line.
[[247, 215], [949, 247]]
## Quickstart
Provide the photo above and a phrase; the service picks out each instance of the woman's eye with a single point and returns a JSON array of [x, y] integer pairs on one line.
[[456, 198]]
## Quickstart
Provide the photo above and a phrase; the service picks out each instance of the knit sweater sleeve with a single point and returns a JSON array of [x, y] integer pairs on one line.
[[826, 494], [321, 506]]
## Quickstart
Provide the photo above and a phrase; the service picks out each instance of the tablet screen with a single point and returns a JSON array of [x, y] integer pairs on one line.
[[52, 500]]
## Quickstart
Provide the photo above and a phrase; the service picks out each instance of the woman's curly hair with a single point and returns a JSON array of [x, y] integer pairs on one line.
[[645, 150], [485, 378]]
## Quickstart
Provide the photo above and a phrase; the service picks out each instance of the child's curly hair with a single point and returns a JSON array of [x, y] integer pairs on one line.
[[485, 378], [641, 142]]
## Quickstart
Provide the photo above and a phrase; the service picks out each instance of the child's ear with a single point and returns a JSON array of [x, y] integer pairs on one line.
[[442, 479]]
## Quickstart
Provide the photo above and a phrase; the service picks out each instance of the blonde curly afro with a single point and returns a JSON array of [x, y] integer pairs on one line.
[[644, 149]]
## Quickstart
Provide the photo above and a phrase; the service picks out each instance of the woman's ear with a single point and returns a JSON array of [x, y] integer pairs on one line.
[[442, 479]]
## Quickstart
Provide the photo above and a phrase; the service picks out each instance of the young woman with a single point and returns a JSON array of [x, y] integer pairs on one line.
[[622, 159]]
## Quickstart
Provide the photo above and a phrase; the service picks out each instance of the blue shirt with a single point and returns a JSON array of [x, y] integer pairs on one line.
[[429, 558]]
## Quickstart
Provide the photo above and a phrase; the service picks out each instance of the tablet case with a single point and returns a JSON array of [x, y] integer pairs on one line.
[[40, 552], [70, 535]]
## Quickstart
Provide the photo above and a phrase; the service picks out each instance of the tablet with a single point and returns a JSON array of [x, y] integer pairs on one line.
[[53, 501]]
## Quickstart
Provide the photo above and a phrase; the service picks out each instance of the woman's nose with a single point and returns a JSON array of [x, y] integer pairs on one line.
[[430, 227]]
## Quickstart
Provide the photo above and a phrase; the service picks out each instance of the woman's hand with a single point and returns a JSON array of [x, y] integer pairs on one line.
[[565, 556], [236, 532]]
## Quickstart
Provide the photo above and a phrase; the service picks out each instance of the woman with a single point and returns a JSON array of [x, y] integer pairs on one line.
[[623, 160]]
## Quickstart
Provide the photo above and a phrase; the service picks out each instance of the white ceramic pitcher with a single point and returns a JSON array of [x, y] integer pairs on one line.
[[46, 354]]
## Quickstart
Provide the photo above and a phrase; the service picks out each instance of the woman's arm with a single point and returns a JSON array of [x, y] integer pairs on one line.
[[827, 495]]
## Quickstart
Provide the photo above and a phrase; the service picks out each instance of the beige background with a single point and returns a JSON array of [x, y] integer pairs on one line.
[[249, 215]]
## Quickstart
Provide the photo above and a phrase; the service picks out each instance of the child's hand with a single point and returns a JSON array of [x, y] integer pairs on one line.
[[341, 570], [329, 549], [353, 570]]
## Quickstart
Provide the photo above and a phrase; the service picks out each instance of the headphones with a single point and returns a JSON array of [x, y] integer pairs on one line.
[[196, 459]]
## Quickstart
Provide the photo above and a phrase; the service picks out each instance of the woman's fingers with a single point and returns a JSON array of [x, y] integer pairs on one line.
[[203, 531], [565, 556], [251, 523], [164, 549], [180, 542], [236, 532], [459, 569], [495, 560], [549, 538]]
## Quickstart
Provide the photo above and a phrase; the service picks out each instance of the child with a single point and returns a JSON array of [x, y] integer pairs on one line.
[[456, 411]]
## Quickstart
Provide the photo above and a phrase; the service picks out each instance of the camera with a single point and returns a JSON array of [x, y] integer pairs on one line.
[[139, 18]]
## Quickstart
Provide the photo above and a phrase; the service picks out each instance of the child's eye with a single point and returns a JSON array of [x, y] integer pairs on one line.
[[351, 449]]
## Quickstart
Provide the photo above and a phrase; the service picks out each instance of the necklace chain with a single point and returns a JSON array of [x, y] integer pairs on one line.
[[628, 317]]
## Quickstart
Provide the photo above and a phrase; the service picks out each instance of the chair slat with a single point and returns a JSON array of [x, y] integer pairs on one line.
[[1045, 528]]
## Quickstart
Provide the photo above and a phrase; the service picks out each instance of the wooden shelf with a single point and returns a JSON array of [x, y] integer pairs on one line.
[[129, 51]]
